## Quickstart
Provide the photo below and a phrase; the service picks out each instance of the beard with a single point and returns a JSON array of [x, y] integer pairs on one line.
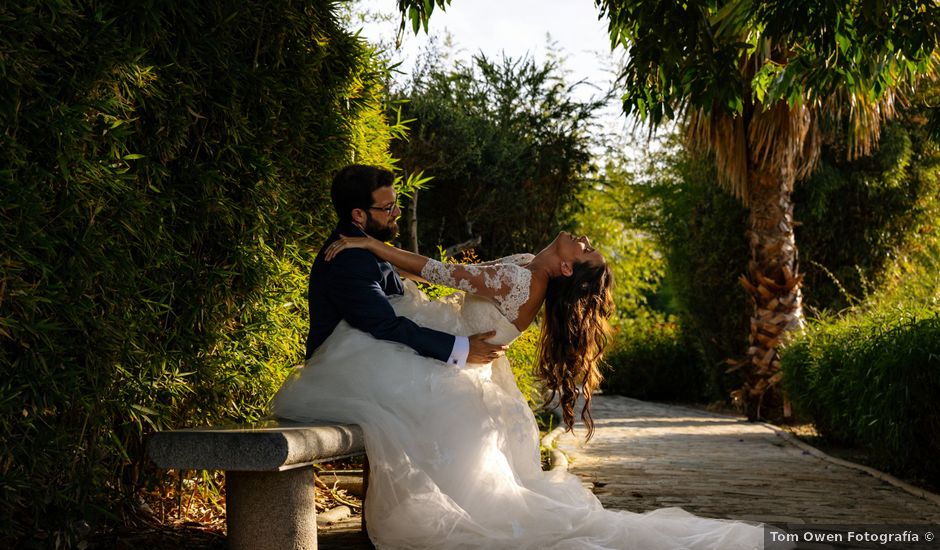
[[382, 232]]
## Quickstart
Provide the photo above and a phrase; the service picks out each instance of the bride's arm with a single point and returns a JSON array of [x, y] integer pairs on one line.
[[402, 259], [485, 280], [522, 259]]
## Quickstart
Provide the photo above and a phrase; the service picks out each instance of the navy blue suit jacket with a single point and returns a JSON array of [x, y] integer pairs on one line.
[[354, 286]]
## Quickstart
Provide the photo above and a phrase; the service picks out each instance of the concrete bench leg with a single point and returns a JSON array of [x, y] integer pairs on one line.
[[271, 510]]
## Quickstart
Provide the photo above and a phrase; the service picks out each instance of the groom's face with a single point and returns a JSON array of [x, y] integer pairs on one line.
[[382, 216]]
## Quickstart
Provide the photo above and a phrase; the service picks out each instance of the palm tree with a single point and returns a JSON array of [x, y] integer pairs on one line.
[[760, 85], [761, 154]]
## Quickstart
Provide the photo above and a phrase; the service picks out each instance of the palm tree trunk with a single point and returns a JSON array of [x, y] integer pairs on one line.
[[773, 284]]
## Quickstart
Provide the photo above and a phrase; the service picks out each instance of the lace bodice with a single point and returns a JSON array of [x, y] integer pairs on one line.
[[504, 281]]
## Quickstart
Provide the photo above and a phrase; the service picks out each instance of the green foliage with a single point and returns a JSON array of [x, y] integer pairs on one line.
[[523, 356], [871, 379], [654, 361], [370, 129], [869, 375], [690, 54], [637, 265], [700, 231], [507, 146], [419, 12], [164, 184], [860, 222], [649, 357], [860, 218]]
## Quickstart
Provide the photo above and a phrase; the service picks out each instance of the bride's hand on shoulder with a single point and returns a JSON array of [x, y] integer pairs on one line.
[[344, 242]]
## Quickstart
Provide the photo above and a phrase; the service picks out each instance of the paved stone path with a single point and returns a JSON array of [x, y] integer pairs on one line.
[[649, 455]]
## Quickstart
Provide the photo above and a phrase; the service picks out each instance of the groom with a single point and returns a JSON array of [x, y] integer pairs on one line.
[[355, 285]]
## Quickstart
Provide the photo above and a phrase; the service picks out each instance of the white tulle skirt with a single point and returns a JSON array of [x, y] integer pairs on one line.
[[454, 453]]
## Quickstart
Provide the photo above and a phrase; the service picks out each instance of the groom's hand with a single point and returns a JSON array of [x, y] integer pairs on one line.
[[482, 351]]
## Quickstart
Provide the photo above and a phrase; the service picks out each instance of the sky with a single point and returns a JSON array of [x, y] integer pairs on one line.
[[518, 28]]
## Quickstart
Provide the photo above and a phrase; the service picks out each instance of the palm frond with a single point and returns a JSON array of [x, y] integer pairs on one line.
[[725, 138], [785, 141]]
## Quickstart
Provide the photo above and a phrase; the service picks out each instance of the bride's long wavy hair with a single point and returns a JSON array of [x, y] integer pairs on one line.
[[575, 332]]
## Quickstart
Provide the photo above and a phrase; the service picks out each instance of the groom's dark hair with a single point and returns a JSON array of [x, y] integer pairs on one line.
[[353, 187]]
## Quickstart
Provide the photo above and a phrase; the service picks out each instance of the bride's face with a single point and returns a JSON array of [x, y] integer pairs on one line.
[[573, 250]]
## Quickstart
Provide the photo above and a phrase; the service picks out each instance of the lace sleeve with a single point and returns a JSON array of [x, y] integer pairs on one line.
[[523, 258], [507, 284]]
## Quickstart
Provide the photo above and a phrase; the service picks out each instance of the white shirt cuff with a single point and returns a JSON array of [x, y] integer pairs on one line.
[[458, 355]]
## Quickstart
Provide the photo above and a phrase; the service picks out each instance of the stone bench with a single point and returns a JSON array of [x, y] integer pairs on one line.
[[269, 476]]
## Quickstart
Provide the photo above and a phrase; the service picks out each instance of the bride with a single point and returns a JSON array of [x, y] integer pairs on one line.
[[454, 453]]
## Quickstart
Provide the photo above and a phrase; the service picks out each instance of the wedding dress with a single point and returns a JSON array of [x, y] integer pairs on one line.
[[454, 453]]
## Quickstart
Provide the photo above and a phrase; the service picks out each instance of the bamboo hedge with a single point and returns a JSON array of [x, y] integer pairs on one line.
[[163, 186]]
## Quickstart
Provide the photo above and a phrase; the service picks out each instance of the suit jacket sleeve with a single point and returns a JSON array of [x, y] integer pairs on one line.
[[356, 292]]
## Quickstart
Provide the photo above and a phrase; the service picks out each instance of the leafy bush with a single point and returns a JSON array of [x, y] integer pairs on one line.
[[649, 356], [507, 146], [700, 230], [871, 379], [655, 362], [869, 376], [164, 183], [523, 355], [858, 218], [638, 267]]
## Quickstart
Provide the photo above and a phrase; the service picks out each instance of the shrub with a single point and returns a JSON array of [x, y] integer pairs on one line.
[[164, 181], [700, 230], [654, 361], [857, 218], [508, 148], [869, 376], [523, 355], [871, 379], [636, 264], [647, 348]]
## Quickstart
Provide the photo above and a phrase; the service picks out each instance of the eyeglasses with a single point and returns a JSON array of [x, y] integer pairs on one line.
[[387, 209]]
